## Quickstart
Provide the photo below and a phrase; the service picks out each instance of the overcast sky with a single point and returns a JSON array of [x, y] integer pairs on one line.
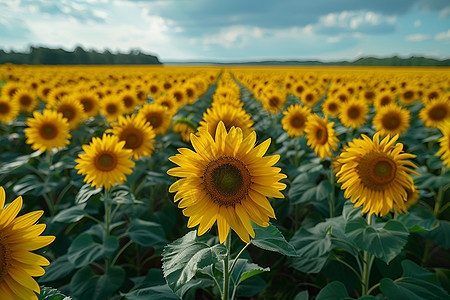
[[232, 30]]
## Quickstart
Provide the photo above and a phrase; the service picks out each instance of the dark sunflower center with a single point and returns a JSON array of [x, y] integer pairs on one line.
[[385, 101], [5, 258], [343, 98], [354, 112], [322, 136], [106, 162], [45, 91], [153, 89], [309, 98], [4, 108], [25, 100], [154, 119], [297, 121], [433, 95], [48, 131], [377, 170], [87, 104], [369, 95], [167, 104], [167, 85], [178, 96], [226, 181], [12, 91], [391, 121], [332, 107], [299, 89], [128, 101], [132, 137], [273, 101], [408, 95], [68, 112], [141, 95], [438, 112], [111, 108], [190, 92]]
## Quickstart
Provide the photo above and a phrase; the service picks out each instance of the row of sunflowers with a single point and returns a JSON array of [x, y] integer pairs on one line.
[[296, 182]]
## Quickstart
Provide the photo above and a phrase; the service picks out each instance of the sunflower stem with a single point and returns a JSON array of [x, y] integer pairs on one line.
[[107, 212], [368, 260], [236, 258], [331, 198], [226, 273], [437, 204]]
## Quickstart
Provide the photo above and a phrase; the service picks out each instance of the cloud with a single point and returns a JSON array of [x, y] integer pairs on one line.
[[443, 36], [418, 37], [417, 23]]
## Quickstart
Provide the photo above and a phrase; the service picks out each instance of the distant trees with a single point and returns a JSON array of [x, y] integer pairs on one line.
[[48, 56]]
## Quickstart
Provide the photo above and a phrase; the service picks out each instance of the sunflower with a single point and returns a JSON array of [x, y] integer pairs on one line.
[[391, 119], [19, 236], [320, 135], [8, 109], [310, 97], [26, 99], [71, 109], [412, 195], [375, 174], [47, 130], [137, 133], [10, 88], [444, 143], [295, 118], [230, 116], [179, 93], [184, 128], [368, 95], [56, 94], [331, 107], [353, 113], [154, 89], [111, 107], [408, 96], [191, 93], [105, 161], [129, 100], [383, 99], [90, 102], [228, 99], [274, 102], [169, 102], [226, 180], [436, 112], [158, 116]]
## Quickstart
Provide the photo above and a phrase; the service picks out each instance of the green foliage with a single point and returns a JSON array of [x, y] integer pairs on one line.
[[48, 293], [270, 238]]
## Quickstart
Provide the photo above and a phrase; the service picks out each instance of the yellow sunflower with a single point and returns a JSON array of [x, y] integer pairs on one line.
[[383, 99], [310, 97], [10, 88], [232, 100], [191, 93], [226, 180], [47, 130], [137, 133], [179, 93], [111, 107], [295, 118], [331, 107], [230, 116], [374, 174], [129, 100], [444, 143], [169, 102], [436, 112], [90, 102], [368, 95], [353, 113], [72, 110], [391, 119], [154, 89], [18, 237], [321, 136], [184, 128], [158, 116], [274, 102], [408, 96], [8, 109], [26, 99], [105, 161]]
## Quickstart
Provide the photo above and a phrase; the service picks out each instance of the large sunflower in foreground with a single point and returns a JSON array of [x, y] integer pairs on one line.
[[374, 174], [19, 236], [137, 134], [391, 119], [294, 121], [321, 136], [444, 142], [353, 113], [436, 112], [47, 130], [226, 180], [105, 161]]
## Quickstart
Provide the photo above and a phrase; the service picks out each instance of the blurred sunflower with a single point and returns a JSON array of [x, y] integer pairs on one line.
[[158, 116], [310, 96], [111, 107], [294, 121], [228, 99], [383, 99], [169, 102], [26, 99], [368, 95], [19, 236], [444, 143], [129, 100], [391, 119], [179, 93], [230, 116], [374, 174], [154, 89], [184, 128], [137, 133], [105, 161], [226, 180], [72, 110], [47, 130], [331, 107], [191, 93], [321, 136], [353, 113], [274, 102], [408, 96], [10, 88], [436, 112], [90, 102], [9, 110]]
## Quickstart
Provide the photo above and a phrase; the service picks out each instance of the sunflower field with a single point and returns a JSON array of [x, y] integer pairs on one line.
[[122, 182]]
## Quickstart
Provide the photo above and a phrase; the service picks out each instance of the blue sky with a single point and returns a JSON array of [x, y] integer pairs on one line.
[[232, 30]]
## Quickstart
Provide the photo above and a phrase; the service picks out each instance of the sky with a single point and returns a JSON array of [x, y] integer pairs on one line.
[[232, 30]]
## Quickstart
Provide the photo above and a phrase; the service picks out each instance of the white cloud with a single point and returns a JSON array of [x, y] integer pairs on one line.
[[445, 13], [418, 37], [333, 39], [417, 23], [233, 36], [443, 36]]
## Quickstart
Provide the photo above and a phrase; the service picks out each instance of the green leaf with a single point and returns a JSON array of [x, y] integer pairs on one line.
[[251, 287], [440, 235], [310, 245], [245, 269], [70, 215], [87, 285], [154, 292], [385, 243], [350, 211], [183, 257], [58, 269], [154, 178], [48, 293], [303, 295], [84, 250], [85, 193], [146, 234], [323, 190], [333, 291], [419, 220], [270, 238], [309, 265], [32, 185]]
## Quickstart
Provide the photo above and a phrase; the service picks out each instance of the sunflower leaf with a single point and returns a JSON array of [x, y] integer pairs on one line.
[[183, 257], [333, 290], [146, 233], [48, 293], [270, 238], [85, 193], [85, 250]]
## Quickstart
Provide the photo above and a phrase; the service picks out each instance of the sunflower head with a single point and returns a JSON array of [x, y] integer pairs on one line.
[[71, 109], [444, 143], [331, 107], [184, 128], [129, 100], [159, 117], [9, 110], [391, 119], [295, 119], [353, 113], [26, 99], [436, 112], [321, 136], [226, 180], [111, 107], [384, 98]]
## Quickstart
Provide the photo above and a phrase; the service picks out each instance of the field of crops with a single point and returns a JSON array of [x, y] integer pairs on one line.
[[224, 183]]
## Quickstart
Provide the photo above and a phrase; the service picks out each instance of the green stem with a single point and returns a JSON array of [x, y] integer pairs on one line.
[[367, 264], [226, 273], [51, 206], [121, 251], [438, 202], [239, 254], [215, 280], [106, 201], [331, 199], [350, 267]]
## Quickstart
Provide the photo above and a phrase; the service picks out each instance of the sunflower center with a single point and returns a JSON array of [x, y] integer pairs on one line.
[[25, 100], [433, 95], [369, 95], [332, 107], [5, 257], [68, 112], [154, 119], [226, 181], [438, 112], [4, 108], [48, 131], [377, 170], [128, 101], [274, 101], [297, 121], [190, 92], [309, 98], [153, 89], [299, 89], [87, 104], [178, 96], [354, 112], [385, 101], [408, 95], [321, 136], [106, 162], [391, 121], [167, 85], [111, 108], [132, 137]]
